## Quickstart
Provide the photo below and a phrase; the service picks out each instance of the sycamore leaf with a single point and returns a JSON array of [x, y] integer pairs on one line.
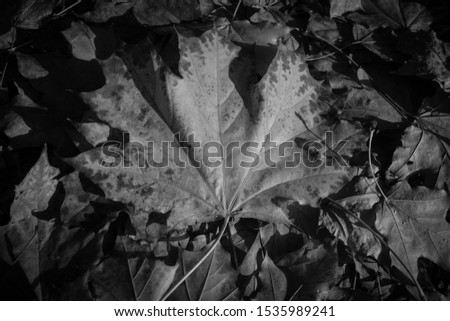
[[429, 57], [324, 28], [340, 7], [26, 234], [32, 13], [157, 12], [313, 267], [421, 151], [147, 12], [415, 225], [131, 274], [273, 285], [261, 33], [367, 103], [249, 268], [105, 9], [206, 103], [36, 241], [264, 280], [399, 14], [435, 117], [214, 280], [76, 200], [359, 196], [94, 133], [381, 41]]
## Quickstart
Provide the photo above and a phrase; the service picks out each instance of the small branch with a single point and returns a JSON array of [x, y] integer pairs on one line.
[[196, 266], [296, 292], [68, 8], [333, 53], [235, 11], [339, 50]]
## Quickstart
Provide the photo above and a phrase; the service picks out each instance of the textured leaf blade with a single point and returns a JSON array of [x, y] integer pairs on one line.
[[213, 280], [26, 234], [417, 226]]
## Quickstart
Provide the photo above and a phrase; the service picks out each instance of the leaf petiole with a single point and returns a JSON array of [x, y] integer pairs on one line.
[[197, 265]]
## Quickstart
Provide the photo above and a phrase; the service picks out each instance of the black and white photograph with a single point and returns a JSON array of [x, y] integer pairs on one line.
[[225, 150]]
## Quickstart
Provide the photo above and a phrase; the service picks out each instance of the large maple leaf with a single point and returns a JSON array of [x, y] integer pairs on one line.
[[215, 100]]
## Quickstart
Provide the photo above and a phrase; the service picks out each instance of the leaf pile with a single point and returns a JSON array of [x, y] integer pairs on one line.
[[82, 77]]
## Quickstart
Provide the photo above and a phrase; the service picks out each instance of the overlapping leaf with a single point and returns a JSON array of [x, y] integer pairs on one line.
[[214, 280], [206, 103], [415, 225]]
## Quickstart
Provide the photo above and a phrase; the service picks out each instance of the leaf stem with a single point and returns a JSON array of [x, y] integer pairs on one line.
[[196, 266]]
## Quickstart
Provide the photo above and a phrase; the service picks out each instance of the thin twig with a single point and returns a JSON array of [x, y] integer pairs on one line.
[[67, 9], [332, 53], [195, 267], [235, 11], [340, 51], [296, 292]]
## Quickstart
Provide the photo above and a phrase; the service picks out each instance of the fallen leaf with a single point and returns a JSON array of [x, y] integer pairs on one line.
[[147, 12], [429, 57], [6, 39], [105, 9], [13, 125], [368, 104], [94, 133], [324, 28], [381, 41], [29, 67], [261, 33], [26, 235], [313, 268], [340, 7], [131, 274], [82, 40], [33, 12], [399, 14], [273, 282], [421, 151], [213, 280], [157, 13], [414, 225], [284, 107]]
